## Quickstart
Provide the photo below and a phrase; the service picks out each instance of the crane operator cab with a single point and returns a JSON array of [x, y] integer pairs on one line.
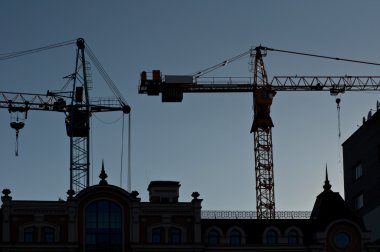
[[77, 123], [263, 98]]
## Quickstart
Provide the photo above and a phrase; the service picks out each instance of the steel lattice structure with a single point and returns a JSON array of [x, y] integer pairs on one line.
[[262, 132], [77, 107], [172, 89]]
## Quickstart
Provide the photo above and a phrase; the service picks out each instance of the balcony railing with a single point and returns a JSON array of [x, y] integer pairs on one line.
[[220, 214]]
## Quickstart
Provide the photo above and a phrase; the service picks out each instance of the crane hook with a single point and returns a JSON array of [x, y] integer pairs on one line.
[[17, 126], [338, 109]]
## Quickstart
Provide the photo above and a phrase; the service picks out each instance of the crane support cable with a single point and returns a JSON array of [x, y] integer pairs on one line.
[[11, 55], [122, 153], [214, 67], [129, 185], [323, 56], [129, 154], [105, 76]]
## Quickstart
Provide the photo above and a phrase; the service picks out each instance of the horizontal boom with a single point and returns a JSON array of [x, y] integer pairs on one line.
[[173, 90]]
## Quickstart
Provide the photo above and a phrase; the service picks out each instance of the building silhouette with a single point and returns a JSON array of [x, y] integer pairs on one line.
[[107, 218], [361, 158]]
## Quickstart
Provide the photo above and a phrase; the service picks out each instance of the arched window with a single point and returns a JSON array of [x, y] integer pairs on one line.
[[48, 234], [103, 220], [293, 237], [30, 234], [157, 235], [213, 237], [235, 237], [175, 235], [271, 237]]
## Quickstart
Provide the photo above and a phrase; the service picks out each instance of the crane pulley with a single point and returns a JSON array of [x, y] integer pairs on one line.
[[172, 88]]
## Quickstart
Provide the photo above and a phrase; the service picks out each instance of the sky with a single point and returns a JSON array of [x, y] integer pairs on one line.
[[205, 141]]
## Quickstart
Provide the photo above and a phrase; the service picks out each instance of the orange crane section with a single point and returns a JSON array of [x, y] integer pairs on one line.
[[172, 88]]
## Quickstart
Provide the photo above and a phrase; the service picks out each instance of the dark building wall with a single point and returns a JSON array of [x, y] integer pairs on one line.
[[254, 230], [103, 192], [138, 219], [335, 230], [363, 148]]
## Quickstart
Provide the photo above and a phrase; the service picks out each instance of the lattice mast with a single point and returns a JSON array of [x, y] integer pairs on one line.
[[78, 124], [262, 133]]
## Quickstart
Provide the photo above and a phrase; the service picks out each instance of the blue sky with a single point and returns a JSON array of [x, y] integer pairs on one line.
[[203, 142]]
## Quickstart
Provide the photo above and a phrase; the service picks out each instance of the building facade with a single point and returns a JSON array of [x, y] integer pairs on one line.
[[107, 218], [361, 158]]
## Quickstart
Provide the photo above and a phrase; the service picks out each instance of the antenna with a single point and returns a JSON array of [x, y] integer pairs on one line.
[[369, 115]]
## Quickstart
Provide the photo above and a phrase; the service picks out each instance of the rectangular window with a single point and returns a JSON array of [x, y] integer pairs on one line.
[[358, 171], [175, 235], [30, 234], [103, 230], [48, 234], [157, 235], [359, 203]]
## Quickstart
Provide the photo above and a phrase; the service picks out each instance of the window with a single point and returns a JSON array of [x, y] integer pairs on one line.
[[175, 235], [157, 235], [358, 171], [48, 234], [30, 234], [271, 237], [103, 230], [293, 237], [235, 237], [342, 240], [213, 237], [359, 201]]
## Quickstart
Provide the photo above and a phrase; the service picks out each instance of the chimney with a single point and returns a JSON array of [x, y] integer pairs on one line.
[[164, 191]]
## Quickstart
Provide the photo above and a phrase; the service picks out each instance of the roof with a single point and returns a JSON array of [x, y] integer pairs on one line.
[[369, 122], [163, 183], [330, 206]]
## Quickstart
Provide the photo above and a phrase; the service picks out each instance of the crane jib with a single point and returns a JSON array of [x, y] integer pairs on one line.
[[333, 84]]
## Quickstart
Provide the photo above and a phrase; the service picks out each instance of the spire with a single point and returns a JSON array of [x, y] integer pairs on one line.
[[103, 175], [327, 185]]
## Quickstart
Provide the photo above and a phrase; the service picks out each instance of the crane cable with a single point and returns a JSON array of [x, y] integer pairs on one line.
[[338, 100], [11, 55], [16, 143], [122, 153], [129, 185], [109, 123], [214, 67], [323, 57], [224, 63], [129, 154], [338, 110], [106, 77]]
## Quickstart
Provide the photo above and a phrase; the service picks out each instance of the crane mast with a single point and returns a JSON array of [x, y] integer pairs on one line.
[[172, 88], [78, 124], [77, 107], [262, 134]]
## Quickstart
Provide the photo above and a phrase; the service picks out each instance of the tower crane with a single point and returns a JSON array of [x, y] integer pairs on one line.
[[75, 104], [172, 88]]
